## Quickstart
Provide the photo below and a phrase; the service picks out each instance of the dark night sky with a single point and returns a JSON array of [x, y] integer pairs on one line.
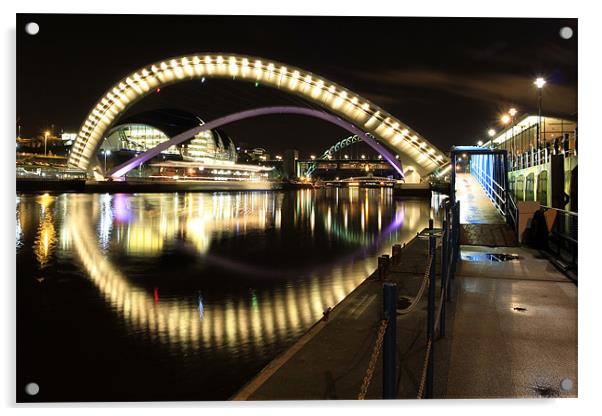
[[448, 78]]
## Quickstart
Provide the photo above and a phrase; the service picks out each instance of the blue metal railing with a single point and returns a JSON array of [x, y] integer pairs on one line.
[[386, 338], [450, 251], [491, 171]]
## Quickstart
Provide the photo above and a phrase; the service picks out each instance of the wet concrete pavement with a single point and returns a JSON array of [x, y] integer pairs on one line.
[[514, 330]]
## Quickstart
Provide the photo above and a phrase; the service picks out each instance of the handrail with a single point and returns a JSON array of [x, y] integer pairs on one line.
[[487, 176], [513, 210], [489, 189], [563, 237], [436, 319], [560, 210]]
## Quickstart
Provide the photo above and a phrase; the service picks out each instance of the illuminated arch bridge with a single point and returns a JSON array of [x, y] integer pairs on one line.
[[413, 148], [332, 150]]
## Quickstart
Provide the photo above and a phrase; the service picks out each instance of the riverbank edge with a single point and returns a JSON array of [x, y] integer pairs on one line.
[[268, 371]]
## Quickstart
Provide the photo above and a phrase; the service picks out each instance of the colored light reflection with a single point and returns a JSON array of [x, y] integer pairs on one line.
[[269, 314], [121, 208], [45, 241]]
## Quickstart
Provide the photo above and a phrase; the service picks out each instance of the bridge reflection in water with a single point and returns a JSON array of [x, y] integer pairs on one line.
[[120, 239]]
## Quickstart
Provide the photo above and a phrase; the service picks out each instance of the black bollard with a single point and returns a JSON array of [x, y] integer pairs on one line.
[[387, 264], [381, 268], [444, 258], [396, 254]]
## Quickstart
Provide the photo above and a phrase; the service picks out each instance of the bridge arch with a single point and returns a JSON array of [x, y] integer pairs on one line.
[[411, 146], [348, 141], [125, 167]]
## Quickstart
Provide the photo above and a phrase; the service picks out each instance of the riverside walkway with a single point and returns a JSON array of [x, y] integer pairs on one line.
[[514, 329], [511, 326], [330, 361]]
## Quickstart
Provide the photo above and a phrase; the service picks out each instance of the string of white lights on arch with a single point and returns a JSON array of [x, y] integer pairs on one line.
[[414, 150]]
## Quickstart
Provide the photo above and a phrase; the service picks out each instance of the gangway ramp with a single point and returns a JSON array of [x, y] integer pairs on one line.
[[481, 222]]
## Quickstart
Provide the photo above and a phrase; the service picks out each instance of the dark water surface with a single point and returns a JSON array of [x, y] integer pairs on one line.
[[185, 296]]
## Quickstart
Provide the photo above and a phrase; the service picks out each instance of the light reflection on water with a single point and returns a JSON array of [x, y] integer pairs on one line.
[[297, 253]]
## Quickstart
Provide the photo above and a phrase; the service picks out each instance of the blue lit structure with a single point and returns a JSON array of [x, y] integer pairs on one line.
[[489, 166]]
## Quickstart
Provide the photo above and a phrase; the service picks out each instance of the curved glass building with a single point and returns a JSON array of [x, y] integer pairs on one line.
[[208, 156], [146, 130]]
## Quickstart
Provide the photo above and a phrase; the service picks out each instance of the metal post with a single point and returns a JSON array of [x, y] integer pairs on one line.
[[381, 268], [389, 341], [455, 239], [387, 264], [430, 329], [505, 184], [396, 254], [539, 120], [448, 245], [452, 191], [443, 276]]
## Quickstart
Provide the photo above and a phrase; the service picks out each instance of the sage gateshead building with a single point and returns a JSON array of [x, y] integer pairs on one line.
[[209, 155]]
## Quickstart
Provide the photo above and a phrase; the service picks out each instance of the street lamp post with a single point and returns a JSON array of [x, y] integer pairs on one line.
[[539, 83], [512, 113], [106, 153], [46, 134]]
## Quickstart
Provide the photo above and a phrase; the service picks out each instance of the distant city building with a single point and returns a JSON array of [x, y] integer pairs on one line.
[[289, 163], [136, 138], [258, 154], [213, 145], [68, 138], [209, 155], [149, 129]]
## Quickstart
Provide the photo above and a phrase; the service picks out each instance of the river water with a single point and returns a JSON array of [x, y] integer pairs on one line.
[[185, 296]]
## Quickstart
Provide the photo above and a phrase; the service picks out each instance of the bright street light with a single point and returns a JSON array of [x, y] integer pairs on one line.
[[505, 119], [480, 143], [512, 112], [539, 82], [313, 157], [491, 132]]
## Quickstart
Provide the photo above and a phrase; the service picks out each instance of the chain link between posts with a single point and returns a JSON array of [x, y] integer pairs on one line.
[[381, 334], [423, 286], [424, 368], [373, 359], [429, 344]]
